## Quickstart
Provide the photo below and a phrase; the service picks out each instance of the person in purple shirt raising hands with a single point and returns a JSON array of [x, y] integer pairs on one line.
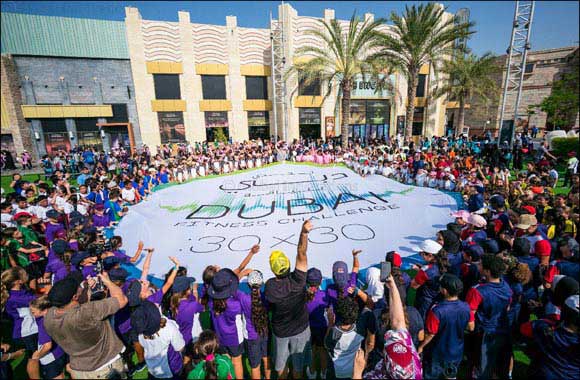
[[227, 315], [317, 307], [342, 279], [186, 311]]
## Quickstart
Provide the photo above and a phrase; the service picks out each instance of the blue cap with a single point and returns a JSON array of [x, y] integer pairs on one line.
[[490, 246], [59, 246], [146, 319], [181, 283], [118, 274], [475, 251], [78, 257], [313, 276], [109, 262]]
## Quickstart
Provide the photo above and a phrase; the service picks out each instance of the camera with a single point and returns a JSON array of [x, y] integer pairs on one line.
[[98, 291]]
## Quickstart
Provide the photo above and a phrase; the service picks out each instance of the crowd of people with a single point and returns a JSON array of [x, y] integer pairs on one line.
[[502, 275]]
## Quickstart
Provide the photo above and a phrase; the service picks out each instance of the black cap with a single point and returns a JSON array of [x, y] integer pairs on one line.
[[52, 214], [63, 291], [59, 246], [521, 247], [118, 274]]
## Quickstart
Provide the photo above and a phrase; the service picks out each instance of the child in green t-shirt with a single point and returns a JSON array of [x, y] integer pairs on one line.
[[212, 365]]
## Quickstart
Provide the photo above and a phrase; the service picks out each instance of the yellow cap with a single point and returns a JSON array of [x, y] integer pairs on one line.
[[279, 263]]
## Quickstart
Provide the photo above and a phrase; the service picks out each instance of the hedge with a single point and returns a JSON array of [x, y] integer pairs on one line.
[[561, 146]]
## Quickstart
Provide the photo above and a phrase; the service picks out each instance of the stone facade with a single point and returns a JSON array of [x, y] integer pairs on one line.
[[13, 122], [73, 81], [548, 65]]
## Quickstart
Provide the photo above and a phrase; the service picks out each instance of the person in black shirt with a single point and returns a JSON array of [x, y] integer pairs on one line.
[[286, 296]]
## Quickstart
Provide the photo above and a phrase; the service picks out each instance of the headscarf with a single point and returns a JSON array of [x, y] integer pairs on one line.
[[375, 287], [451, 241]]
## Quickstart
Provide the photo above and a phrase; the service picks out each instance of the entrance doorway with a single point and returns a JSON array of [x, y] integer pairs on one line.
[[118, 135]]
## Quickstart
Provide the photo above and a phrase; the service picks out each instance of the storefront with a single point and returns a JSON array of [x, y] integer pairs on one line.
[[56, 137], [216, 126], [259, 125], [370, 109], [309, 123], [88, 133], [369, 119]]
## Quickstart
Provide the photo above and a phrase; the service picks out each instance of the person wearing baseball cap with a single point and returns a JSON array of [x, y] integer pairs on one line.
[[161, 341], [316, 306], [426, 281], [475, 231], [52, 226], [100, 219], [186, 310], [84, 331], [527, 227], [286, 295], [400, 358], [461, 217], [256, 317], [445, 325]]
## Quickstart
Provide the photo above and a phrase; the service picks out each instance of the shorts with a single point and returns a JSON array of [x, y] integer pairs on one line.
[[317, 335], [256, 350], [292, 347], [232, 351], [52, 370], [30, 342]]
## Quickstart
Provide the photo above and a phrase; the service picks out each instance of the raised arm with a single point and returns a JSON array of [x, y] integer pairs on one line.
[[147, 263], [240, 269], [301, 258], [114, 290], [396, 312], [137, 253], [355, 263], [169, 283]]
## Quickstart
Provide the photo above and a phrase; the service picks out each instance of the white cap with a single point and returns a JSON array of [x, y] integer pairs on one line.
[[112, 184], [429, 246]]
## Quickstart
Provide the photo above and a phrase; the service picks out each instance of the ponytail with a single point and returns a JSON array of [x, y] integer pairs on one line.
[[174, 301], [442, 261], [206, 347], [219, 306], [259, 315], [66, 259]]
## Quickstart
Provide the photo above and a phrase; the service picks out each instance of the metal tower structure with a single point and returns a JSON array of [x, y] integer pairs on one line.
[[516, 62], [278, 71]]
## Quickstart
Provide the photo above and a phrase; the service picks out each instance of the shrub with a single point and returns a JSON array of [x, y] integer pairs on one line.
[[563, 145]]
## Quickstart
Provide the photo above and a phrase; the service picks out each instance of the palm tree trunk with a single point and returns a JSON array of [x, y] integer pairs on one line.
[[345, 104], [411, 95], [461, 117]]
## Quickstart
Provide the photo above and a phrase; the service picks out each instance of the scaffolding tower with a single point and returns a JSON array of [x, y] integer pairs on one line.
[[516, 63], [278, 76]]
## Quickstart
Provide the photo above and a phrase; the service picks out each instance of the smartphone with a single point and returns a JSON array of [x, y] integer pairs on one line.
[[385, 270]]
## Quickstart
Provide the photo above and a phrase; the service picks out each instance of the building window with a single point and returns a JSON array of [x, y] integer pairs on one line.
[[309, 123], [167, 86], [88, 133], [171, 127], [529, 68], [256, 87], [213, 86], [120, 114], [259, 125], [421, 85], [418, 118], [216, 126], [309, 89]]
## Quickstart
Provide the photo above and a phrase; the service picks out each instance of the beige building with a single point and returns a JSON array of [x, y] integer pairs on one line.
[[194, 80], [542, 68]]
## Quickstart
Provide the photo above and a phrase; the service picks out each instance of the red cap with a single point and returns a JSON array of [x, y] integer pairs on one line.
[[543, 248], [395, 258], [530, 209], [22, 213]]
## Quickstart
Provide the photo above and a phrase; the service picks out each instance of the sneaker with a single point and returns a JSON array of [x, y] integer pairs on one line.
[[310, 375], [138, 368]]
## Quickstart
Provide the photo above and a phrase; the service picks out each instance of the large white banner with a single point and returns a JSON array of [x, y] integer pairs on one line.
[[217, 220]]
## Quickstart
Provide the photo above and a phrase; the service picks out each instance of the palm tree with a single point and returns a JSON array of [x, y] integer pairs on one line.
[[345, 54], [468, 76], [422, 35]]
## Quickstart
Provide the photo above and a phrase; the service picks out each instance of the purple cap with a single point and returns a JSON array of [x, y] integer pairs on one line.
[[340, 273]]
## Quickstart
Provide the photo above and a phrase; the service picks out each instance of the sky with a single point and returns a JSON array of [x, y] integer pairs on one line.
[[555, 23]]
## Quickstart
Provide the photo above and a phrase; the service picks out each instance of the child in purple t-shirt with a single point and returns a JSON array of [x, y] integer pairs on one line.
[[51, 356], [25, 330], [317, 306], [186, 310]]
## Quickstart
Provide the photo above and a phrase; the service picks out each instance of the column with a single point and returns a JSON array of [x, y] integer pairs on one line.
[[237, 86], [70, 123]]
